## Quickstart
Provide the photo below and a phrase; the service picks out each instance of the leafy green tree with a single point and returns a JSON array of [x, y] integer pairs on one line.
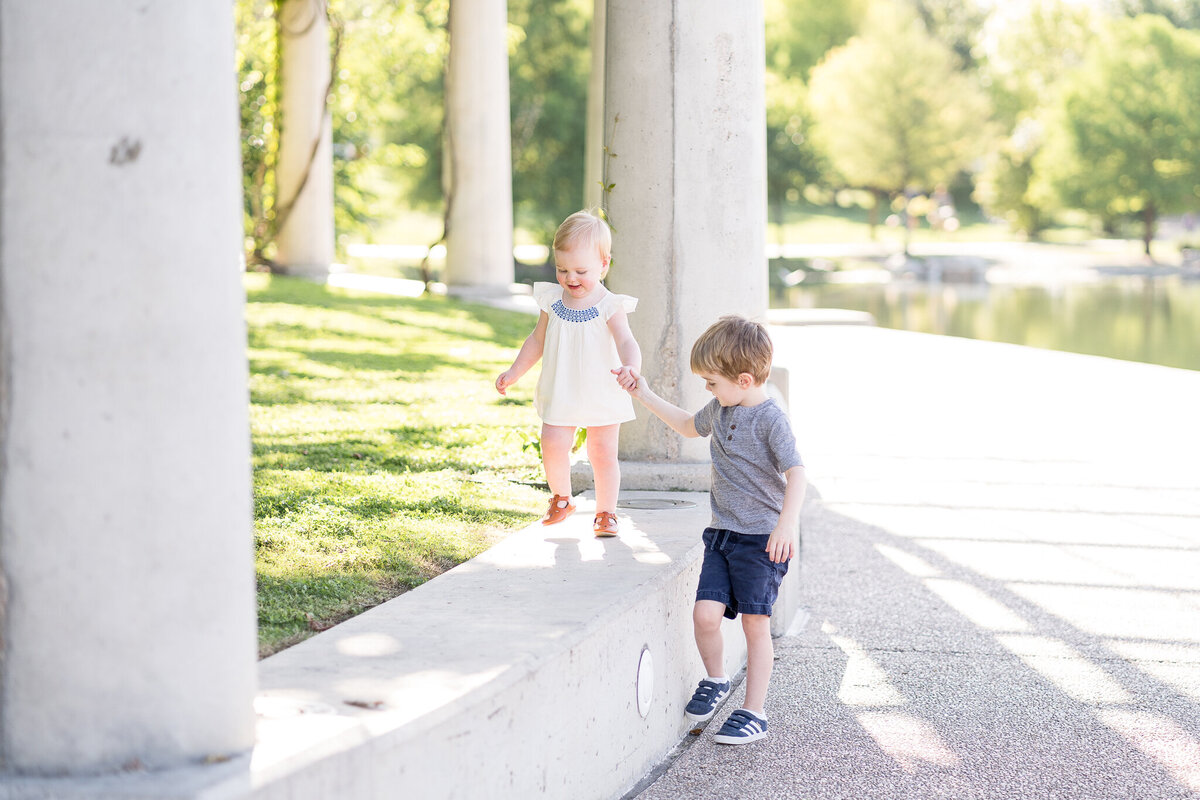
[[1181, 13], [258, 102], [798, 34], [955, 23], [1028, 47], [388, 109], [385, 102], [793, 160], [1127, 138], [549, 60], [893, 112]]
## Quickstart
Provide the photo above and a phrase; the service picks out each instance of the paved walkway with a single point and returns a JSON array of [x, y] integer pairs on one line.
[[1002, 575]]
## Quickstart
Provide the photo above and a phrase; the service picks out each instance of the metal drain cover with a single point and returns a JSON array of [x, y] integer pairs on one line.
[[655, 504]]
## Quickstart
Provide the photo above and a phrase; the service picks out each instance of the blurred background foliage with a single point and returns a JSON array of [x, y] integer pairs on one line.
[[1026, 110]]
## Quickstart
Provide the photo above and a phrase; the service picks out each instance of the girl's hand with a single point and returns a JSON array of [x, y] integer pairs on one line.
[[503, 381], [628, 378]]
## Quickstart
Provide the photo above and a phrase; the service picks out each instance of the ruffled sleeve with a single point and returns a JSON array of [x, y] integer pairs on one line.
[[545, 294], [612, 302]]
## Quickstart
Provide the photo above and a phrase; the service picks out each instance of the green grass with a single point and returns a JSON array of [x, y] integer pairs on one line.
[[382, 454]]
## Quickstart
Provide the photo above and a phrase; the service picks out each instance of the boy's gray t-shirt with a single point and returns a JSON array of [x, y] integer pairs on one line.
[[751, 449]]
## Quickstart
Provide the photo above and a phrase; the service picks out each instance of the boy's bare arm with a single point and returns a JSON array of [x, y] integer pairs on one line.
[[783, 545], [679, 420]]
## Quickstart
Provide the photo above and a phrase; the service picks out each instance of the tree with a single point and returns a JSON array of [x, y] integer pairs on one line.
[[956, 23], [257, 69], [549, 63], [798, 34], [1181, 13], [793, 161], [385, 103], [1027, 48], [892, 111], [1127, 139]]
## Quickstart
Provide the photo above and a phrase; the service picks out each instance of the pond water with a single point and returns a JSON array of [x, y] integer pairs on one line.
[[1136, 318]]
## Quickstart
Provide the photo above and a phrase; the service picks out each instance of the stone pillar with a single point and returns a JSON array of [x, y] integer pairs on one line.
[[479, 242], [127, 611], [593, 150], [305, 242], [684, 114]]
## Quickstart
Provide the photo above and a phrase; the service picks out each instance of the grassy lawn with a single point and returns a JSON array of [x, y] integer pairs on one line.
[[382, 454]]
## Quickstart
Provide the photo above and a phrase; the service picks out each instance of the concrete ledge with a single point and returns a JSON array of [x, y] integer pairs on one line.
[[517, 671], [650, 476], [514, 675], [819, 316]]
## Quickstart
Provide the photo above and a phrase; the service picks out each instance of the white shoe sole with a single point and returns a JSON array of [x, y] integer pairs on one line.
[[719, 739], [709, 715]]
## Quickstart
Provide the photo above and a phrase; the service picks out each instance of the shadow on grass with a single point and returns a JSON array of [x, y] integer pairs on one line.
[[501, 327], [365, 457], [394, 450]]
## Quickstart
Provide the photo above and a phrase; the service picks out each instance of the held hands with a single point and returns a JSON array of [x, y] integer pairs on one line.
[[781, 546], [628, 379]]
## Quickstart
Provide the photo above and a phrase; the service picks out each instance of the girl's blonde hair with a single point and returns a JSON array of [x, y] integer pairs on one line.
[[733, 345], [584, 228]]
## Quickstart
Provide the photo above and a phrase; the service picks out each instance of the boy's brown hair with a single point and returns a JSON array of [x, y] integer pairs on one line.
[[733, 345]]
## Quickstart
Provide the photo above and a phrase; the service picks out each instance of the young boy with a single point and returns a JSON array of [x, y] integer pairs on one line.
[[758, 486]]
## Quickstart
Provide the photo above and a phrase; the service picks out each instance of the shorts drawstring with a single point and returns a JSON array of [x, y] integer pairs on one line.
[[720, 540]]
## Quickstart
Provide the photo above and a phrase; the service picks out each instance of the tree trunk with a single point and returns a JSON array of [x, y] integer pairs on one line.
[[873, 214], [1149, 216], [777, 215]]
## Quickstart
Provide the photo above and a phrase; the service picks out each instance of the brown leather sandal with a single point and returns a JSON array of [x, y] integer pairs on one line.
[[561, 507], [605, 524]]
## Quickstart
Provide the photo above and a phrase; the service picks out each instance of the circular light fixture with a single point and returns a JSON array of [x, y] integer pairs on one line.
[[645, 681]]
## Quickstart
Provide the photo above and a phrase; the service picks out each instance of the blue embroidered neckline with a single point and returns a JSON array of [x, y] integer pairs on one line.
[[574, 314]]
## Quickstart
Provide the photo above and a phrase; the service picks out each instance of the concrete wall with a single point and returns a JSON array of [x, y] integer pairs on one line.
[[511, 676], [514, 675], [127, 611]]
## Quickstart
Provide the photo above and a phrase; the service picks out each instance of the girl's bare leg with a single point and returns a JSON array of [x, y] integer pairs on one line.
[[556, 457], [602, 453]]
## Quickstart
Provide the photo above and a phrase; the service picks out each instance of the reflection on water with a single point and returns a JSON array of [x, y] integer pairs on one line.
[[1156, 320]]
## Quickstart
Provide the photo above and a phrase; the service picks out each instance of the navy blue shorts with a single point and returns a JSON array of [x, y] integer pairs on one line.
[[738, 572]]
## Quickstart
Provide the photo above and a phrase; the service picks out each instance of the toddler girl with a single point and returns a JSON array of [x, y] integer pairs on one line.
[[583, 339]]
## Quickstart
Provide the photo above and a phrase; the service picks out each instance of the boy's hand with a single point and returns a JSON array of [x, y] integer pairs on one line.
[[782, 545], [628, 378], [503, 381]]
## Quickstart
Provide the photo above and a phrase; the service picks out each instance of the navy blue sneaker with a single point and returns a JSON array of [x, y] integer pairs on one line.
[[705, 701], [742, 727]]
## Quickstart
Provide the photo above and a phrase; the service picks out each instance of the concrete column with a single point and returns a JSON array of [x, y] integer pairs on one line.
[[127, 612], [305, 243], [479, 244], [593, 168], [684, 113]]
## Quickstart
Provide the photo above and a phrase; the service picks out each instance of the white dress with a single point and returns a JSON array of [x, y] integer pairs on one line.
[[576, 387]]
